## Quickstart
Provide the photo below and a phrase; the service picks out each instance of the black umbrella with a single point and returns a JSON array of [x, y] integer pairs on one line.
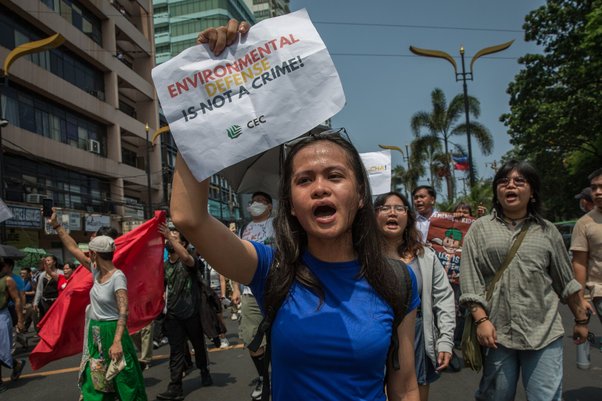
[[8, 251], [262, 171]]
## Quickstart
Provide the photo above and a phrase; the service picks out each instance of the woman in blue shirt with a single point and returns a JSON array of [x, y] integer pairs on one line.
[[331, 335]]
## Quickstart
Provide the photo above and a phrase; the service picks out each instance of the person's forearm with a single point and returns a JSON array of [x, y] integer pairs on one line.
[[477, 311], [576, 306], [122, 305], [189, 198], [70, 244]]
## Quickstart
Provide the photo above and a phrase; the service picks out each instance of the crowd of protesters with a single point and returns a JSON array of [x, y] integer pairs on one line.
[[339, 293]]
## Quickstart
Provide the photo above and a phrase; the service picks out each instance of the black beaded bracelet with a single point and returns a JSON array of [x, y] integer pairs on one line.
[[481, 320], [582, 322], [56, 227]]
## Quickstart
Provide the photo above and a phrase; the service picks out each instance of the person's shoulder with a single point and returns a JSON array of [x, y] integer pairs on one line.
[[427, 253], [119, 274]]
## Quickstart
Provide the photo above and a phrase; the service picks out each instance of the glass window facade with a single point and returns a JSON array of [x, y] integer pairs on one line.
[[78, 16], [15, 31], [67, 188], [32, 112]]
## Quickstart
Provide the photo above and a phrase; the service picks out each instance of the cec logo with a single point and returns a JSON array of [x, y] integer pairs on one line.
[[256, 121], [234, 131]]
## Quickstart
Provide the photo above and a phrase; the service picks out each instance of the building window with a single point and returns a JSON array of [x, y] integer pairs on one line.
[[62, 63], [128, 157], [78, 16], [34, 113], [68, 189]]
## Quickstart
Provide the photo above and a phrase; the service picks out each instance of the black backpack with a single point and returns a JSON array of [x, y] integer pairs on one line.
[[403, 276]]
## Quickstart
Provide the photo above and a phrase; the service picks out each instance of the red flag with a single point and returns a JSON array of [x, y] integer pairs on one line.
[[462, 166], [139, 254]]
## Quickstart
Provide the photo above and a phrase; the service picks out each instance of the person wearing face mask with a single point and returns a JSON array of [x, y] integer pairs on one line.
[[260, 229]]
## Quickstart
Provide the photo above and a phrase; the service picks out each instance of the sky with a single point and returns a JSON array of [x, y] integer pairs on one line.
[[385, 84]]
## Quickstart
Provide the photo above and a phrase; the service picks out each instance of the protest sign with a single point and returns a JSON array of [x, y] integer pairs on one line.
[[378, 167], [272, 85], [446, 236], [5, 212]]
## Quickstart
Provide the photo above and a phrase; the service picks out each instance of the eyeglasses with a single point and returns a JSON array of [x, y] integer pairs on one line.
[[401, 209], [518, 181], [316, 133]]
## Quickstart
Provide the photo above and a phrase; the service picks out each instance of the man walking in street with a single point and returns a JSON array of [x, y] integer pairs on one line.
[[586, 246], [182, 320], [424, 197]]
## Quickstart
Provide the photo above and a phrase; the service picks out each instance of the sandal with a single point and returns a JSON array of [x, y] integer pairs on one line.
[[17, 370]]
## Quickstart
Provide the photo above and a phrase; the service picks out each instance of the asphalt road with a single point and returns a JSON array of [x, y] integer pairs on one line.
[[232, 372]]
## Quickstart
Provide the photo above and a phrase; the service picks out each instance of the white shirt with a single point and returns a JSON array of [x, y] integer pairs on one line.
[[423, 224], [262, 232]]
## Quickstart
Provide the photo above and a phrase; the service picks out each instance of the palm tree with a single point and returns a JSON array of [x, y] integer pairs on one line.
[[441, 124], [427, 150], [404, 177]]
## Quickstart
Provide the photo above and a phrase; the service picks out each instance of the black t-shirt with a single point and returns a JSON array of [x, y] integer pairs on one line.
[[182, 290], [50, 288]]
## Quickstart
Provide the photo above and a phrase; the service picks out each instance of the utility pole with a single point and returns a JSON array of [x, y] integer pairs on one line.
[[463, 76]]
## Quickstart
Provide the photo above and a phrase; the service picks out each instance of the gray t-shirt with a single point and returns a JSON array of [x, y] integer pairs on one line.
[[103, 304]]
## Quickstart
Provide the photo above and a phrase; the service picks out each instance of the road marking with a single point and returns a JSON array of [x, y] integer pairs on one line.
[[76, 369]]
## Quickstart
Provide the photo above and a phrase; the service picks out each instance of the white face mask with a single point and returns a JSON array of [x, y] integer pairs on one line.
[[257, 209]]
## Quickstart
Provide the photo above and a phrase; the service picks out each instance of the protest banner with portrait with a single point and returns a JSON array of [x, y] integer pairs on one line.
[[446, 236]]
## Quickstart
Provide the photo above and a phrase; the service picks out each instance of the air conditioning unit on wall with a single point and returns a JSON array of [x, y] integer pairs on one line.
[[35, 198], [94, 146]]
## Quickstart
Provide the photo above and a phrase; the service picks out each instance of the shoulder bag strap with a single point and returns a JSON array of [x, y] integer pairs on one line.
[[509, 257]]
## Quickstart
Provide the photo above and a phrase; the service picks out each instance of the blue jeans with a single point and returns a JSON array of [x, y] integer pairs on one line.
[[541, 373]]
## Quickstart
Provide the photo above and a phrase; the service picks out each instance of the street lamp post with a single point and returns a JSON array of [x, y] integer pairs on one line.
[[148, 178], [406, 157], [464, 76]]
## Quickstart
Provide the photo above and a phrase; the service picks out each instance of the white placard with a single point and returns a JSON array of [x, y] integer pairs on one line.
[[271, 86], [94, 221], [5, 212], [378, 166]]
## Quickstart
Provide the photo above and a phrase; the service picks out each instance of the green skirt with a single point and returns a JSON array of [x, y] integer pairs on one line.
[[129, 383]]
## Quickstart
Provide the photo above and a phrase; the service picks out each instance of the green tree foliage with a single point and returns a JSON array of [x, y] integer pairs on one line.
[[440, 124], [555, 118]]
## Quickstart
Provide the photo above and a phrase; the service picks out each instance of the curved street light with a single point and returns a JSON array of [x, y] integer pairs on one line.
[[464, 76]]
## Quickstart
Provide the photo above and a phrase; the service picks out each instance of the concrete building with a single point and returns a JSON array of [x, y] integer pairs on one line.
[[77, 118]]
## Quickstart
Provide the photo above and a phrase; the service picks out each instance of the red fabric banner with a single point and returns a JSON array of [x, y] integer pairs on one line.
[[139, 254], [462, 166]]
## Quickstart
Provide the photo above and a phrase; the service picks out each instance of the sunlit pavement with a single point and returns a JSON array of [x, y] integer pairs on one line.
[[233, 371]]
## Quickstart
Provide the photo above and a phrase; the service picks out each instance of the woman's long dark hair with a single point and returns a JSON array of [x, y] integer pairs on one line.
[[528, 171], [412, 239], [291, 238]]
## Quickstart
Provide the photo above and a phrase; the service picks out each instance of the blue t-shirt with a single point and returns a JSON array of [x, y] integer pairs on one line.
[[337, 352]]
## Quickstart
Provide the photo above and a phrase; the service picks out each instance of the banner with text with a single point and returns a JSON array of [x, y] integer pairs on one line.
[[272, 85], [378, 167]]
